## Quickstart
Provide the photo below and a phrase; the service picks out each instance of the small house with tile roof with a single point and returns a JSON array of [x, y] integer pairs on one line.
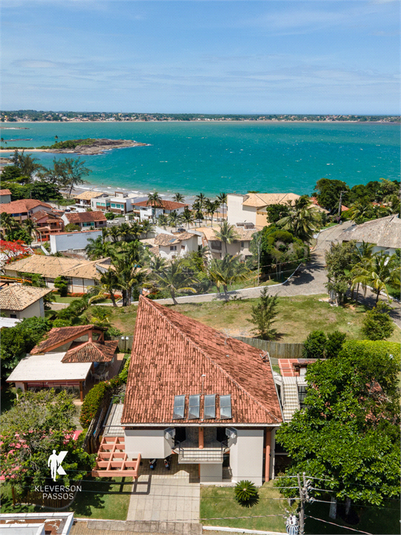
[[383, 233], [83, 200], [240, 245], [19, 302], [71, 357], [151, 210], [86, 220], [24, 208], [203, 396], [171, 246], [5, 196], [251, 208]]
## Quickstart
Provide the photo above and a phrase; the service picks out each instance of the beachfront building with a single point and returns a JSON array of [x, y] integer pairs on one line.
[[86, 220], [145, 210], [69, 357], [208, 399], [251, 208], [19, 302], [383, 233], [170, 246], [83, 200], [24, 209], [5, 196], [81, 274], [72, 241], [240, 246], [119, 203]]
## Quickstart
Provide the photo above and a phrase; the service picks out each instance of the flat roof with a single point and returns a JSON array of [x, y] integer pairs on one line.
[[49, 367]]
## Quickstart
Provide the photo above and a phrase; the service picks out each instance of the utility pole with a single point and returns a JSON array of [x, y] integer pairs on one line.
[[340, 204], [258, 243]]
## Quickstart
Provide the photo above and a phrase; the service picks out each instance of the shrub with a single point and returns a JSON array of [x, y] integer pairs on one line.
[[109, 216], [334, 344], [246, 493], [314, 345], [61, 283], [377, 324]]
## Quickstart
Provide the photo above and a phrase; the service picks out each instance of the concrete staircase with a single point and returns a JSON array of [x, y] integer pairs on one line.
[[291, 400]]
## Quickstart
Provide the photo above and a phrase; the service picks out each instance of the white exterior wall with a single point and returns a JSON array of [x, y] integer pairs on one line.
[[36, 309], [80, 285], [246, 456], [186, 246], [211, 473], [72, 240], [150, 443], [234, 208], [377, 249]]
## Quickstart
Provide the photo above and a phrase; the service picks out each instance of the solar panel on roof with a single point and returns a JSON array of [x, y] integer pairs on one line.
[[225, 407], [179, 407], [210, 407], [194, 406]]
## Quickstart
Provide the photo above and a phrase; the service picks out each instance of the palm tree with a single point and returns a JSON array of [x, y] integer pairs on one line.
[[162, 220], [222, 200], [136, 229], [200, 201], [178, 197], [187, 216], [379, 271], [173, 219], [30, 226], [303, 220], [114, 233], [107, 286], [227, 234], [226, 271], [73, 171], [128, 269], [157, 263], [147, 227], [211, 208], [125, 230], [155, 201], [97, 248], [173, 279], [8, 223]]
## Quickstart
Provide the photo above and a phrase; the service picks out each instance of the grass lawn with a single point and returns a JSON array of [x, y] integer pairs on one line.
[[297, 316], [57, 299], [219, 503]]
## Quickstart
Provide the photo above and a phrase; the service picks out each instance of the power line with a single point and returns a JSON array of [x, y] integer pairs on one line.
[[339, 525]]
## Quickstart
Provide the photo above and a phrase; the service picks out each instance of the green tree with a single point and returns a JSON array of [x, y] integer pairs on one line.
[[334, 344], [97, 248], [377, 324], [174, 280], [42, 422], [61, 283], [178, 197], [227, 234], [187, 217], [162, 220], [314, 345], [222, 200], [379, 272], [276, 212], [226, 271], [303, 220], [26, 163], [211, 207], [264, 314], [155, 201], [348, 432], [71, 227], [128, 265], [340, 260], [329, 191]]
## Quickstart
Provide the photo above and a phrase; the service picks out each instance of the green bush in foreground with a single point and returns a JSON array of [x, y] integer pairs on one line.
[[377, 324], [246, 493]]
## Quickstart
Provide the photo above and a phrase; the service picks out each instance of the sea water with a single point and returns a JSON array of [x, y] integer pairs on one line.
[[194, 157]]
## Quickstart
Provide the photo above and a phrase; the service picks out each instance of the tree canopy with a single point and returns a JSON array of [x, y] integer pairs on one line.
[[348, 431]]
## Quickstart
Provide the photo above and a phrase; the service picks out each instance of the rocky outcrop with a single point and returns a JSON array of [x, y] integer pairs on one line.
[[99, 146]]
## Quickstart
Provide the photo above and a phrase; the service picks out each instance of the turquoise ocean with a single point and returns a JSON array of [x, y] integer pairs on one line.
[[236, 157]]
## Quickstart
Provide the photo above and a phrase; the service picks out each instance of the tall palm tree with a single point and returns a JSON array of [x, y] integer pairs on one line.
[[162, 220], [147, 227], [128, 269], [227, 234], [200, 200], [73, 173], [155, 201], [136, 229], [187, 216], [125, 230], [114, 233], [174, 279], [30, 226], [178, 197], [211, 207], [379, 271], [173, 219], [303, 220], [226, 271], [157, 263], [7, 223], [222, 199], [97, 248]]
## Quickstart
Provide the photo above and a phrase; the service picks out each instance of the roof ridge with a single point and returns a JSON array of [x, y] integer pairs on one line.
[[208, 357]]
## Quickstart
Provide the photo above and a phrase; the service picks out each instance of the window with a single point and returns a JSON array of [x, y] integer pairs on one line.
[[210, 407], [173, 247], [179, 407], [225, 407], [113, 204], [242, 244], [216, 245], [182, 247], [301, 396], [194, 407]]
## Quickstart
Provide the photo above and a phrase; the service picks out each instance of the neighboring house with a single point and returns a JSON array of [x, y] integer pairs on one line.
[[86, 220], [36, 523], [251, 208], [152, 211], [68, 357], [197, 393], [24, 208], [47, 223], [81, 274], [84, 199], [72, 241], [19, 302], [383, 233], [119, 203], [171, 246], [5, 196], [239, 246], [8, 322]]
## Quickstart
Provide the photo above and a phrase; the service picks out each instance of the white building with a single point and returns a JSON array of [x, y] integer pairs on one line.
[[208, 399], [240, 246], [119, 203], [171, 246], [251, 208], [83, 200], [144, 210], [72, 241], [19, 302]]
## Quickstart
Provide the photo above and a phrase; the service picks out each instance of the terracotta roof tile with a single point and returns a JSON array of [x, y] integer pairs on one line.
[[21, 207], [92, 352], [167, 205], [171, 352], [60, 335], [258, 200], [5, 192], [85, 217], [18, 297], [168, 239]]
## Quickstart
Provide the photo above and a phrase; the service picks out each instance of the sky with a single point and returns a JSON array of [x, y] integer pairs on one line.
[[196, 56]]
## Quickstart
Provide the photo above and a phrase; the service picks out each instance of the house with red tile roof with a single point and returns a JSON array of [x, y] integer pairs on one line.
[[151, 210], [5, 196], [194, 392], [68, 357], [85, 220], [24, 208]]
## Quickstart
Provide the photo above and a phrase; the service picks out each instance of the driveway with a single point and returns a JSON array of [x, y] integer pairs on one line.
[[166, 495]]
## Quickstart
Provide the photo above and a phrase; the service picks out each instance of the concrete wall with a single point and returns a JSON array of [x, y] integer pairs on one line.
[[72, 240], [211, 473], [234, 208], [246, 456], [150, 443]]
